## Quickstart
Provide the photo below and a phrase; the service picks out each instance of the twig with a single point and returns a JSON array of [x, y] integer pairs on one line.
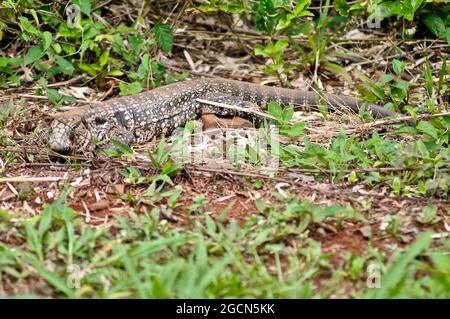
[[41, 152], [358, 170], [398, 55], [396, 120], [25, 179], [68, 82]]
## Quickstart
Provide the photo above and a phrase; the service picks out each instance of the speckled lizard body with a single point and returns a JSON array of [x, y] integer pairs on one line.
[[138, 118]]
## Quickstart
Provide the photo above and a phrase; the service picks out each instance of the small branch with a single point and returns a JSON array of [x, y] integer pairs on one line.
[[25, 179], [68, 82], [397, 120], [53, 85], [359, 170]]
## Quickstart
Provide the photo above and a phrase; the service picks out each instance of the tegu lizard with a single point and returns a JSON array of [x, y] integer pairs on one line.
[[138, 118]]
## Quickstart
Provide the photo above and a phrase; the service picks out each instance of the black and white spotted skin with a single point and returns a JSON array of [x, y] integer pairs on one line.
[[138, 118]]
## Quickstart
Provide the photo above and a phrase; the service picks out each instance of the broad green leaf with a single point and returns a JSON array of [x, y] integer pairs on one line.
[[123, 148], [260, 50], [275, 110], [435, 24], [65, 66], [46, 40], [34, 53], [53, 95], [342, 7], [385, 78], [427, 128], [280, 45], [266, 6], [130, 88], [84, 5], [398, 66], [296, 130], [103, 59], [115, 72], [144, 67], [164, 37], [27, 25], [375, 89], [288, 112]]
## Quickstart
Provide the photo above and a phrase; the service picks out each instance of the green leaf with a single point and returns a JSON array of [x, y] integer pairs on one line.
[[275, 110], [144, 67], [115, 72], [45, 223], [84, 5], [266, 6], [342, 7], [46, 40], [135, 43], [91, 69], [400, 90], [385, 78], [34, 53], [338, 70], [123, 148], [427, 128], [103, 58], [130, 88], [164, 37], [27, 25], [65, 66], [53, 95], [398, 66], [296, 130], [281, 45], [435, 24], [260, 50], [288, 112], [373, 88]]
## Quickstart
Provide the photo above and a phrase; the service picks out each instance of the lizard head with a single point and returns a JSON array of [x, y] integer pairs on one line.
[[65, 135]]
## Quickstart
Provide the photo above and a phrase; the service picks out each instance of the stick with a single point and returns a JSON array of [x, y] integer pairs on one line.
[[25, 179], [397, 120]]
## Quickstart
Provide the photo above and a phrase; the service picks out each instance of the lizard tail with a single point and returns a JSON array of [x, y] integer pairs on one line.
[[302, 99]]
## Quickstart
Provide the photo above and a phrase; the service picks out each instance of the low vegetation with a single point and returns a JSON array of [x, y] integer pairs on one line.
[[356, 209]]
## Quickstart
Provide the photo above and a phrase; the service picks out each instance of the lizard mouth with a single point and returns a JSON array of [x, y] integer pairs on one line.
[[64, 138], [61, 137]]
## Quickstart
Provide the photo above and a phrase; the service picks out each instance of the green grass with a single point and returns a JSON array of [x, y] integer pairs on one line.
[[277, 251], [271, 256]]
